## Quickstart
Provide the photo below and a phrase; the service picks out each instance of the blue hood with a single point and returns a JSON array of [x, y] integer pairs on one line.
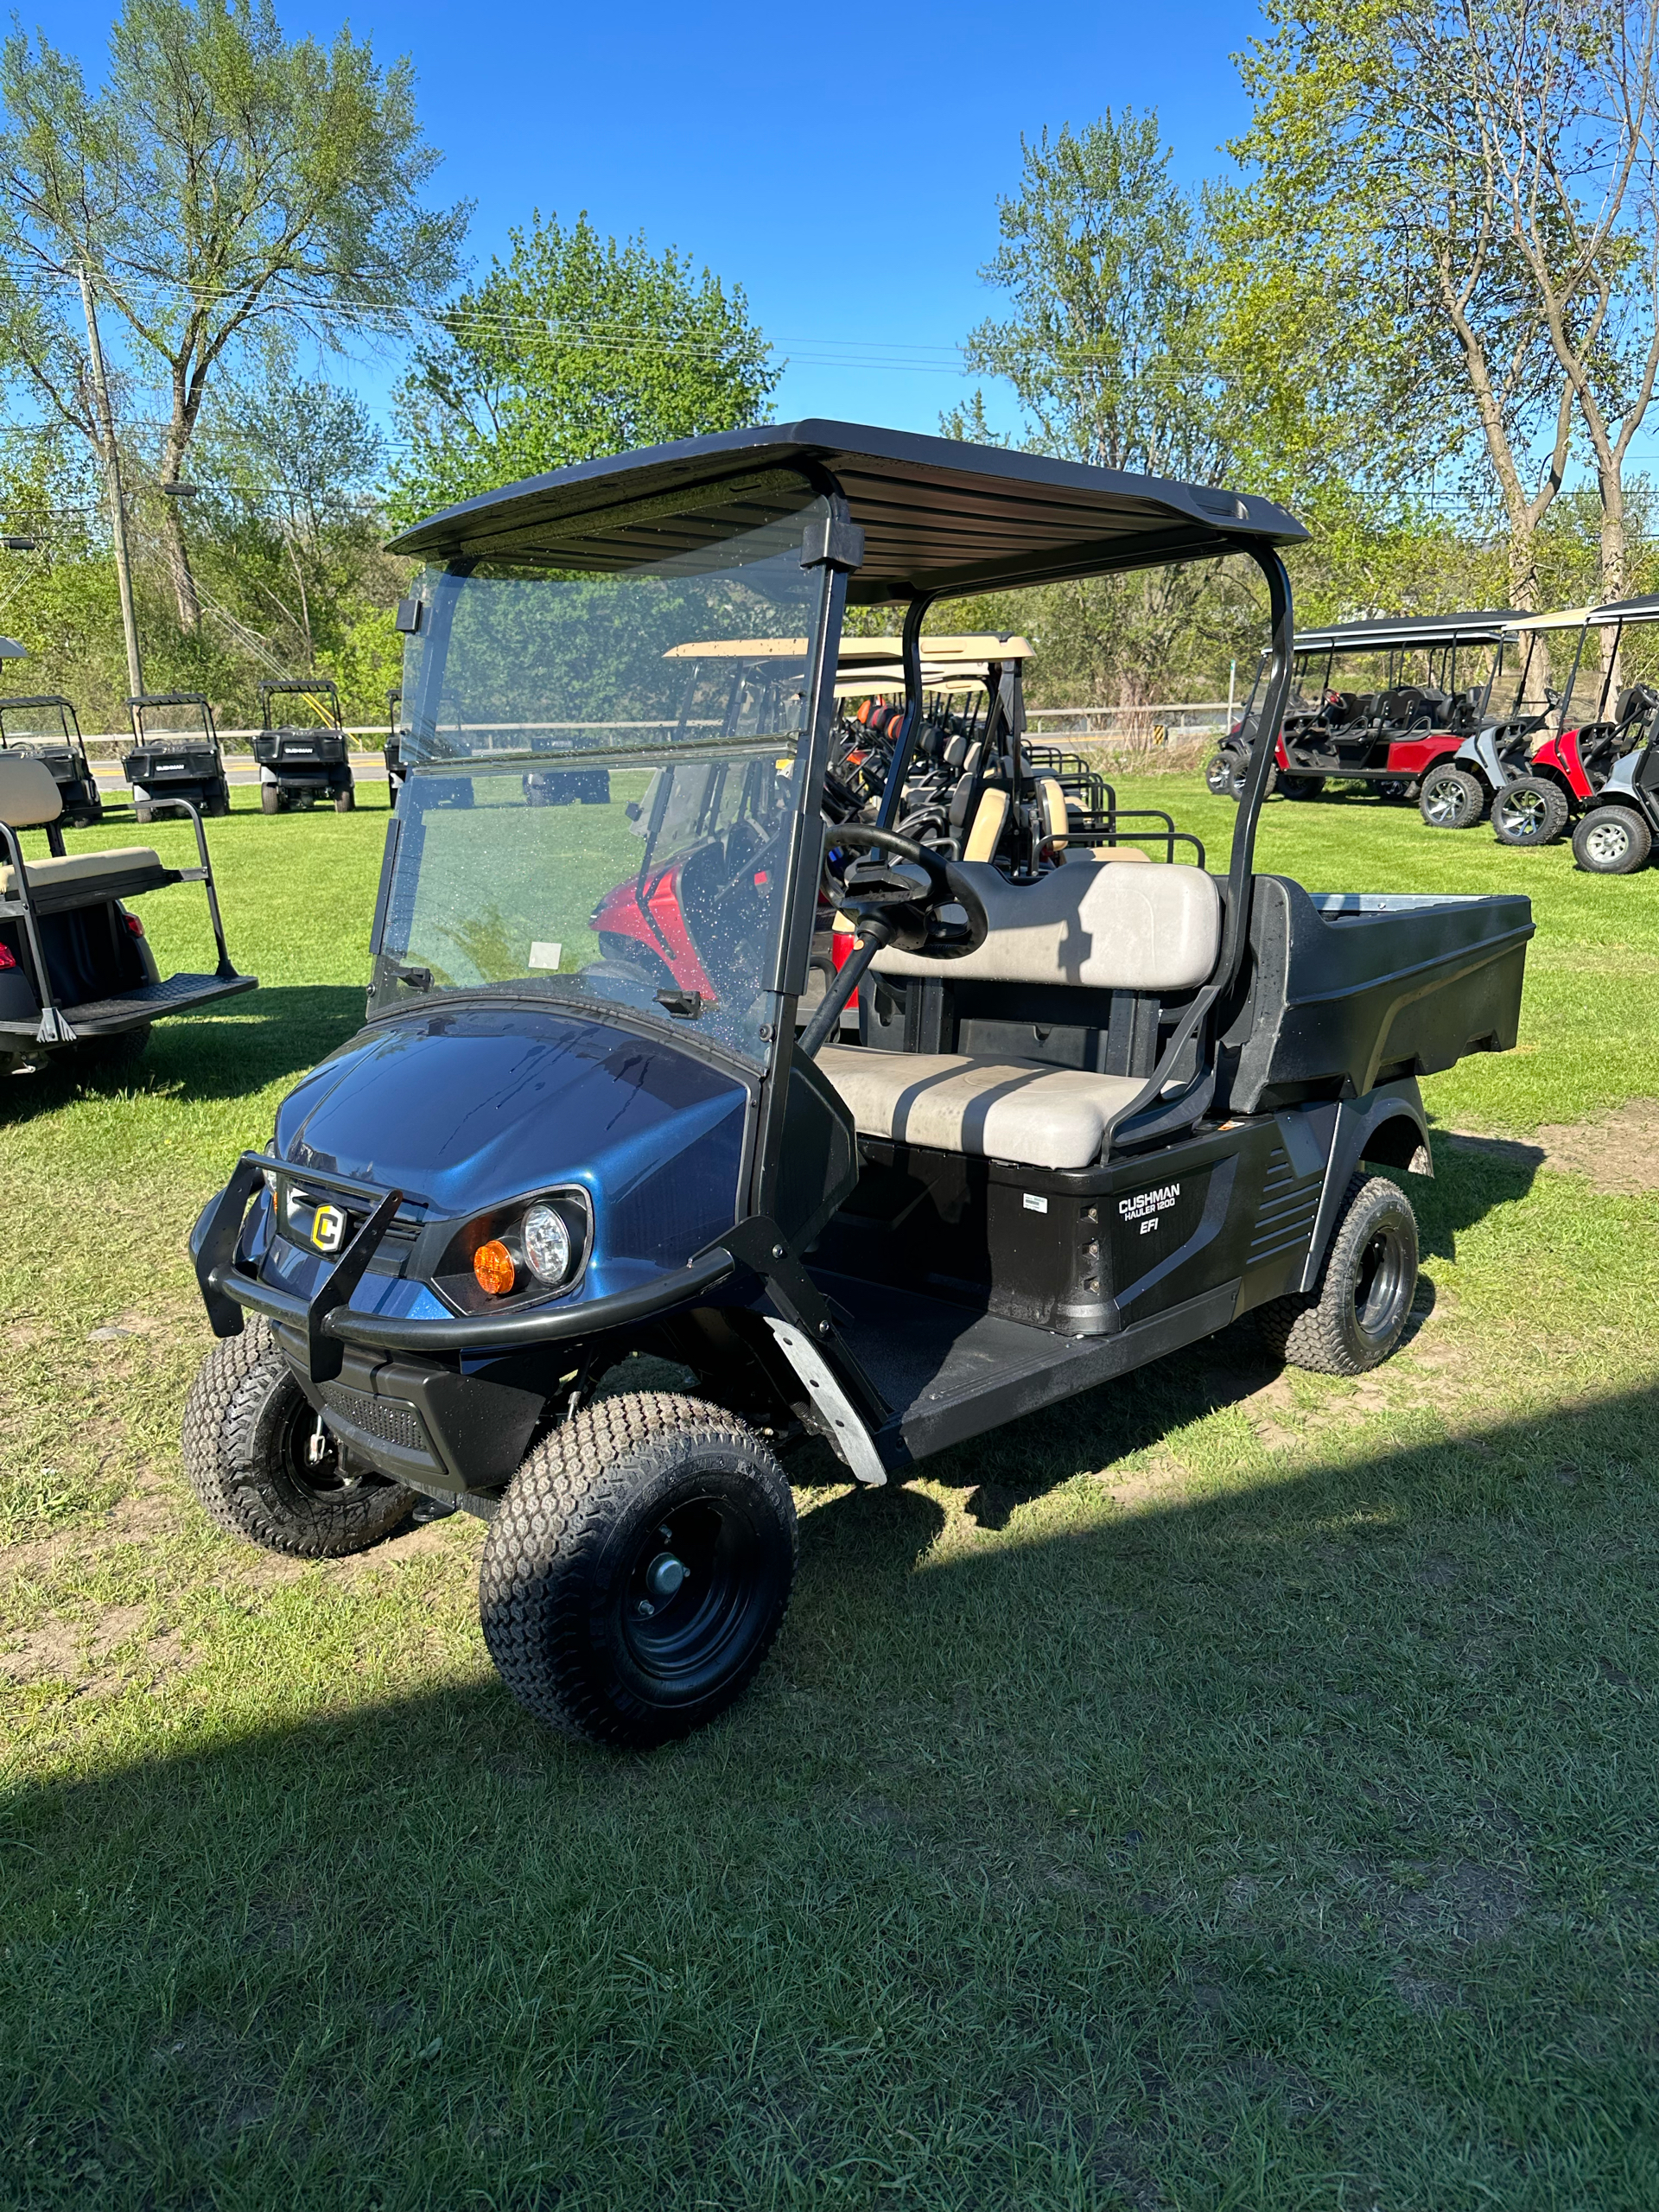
[[471, 1106]]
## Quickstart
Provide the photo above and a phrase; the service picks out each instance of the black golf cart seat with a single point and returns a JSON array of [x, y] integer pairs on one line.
[[78, 973], [1125, 934], [30, 799]]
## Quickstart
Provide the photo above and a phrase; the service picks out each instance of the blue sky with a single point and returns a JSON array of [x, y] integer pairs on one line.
[[843, 166]]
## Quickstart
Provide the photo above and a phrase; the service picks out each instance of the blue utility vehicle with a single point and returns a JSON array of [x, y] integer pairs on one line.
[[1092, 1111]]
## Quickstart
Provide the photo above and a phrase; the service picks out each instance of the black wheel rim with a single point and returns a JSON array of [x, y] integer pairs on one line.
[[684, 1640], [310, 1458], [1382, 1285]]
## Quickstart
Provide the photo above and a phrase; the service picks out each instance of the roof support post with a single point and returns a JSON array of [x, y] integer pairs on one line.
[[910, 648], [1242, 859]]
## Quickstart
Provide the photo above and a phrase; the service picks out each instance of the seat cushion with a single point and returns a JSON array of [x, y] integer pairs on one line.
[[1022, 1110], [82, 867], [1115, 928]]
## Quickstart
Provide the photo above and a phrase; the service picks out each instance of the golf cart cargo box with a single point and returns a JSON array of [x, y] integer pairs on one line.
[[45, 728], [1351, 989]]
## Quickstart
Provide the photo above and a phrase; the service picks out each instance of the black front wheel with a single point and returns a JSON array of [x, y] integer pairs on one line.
[[1358, 1313], [1300, 787], [265, 1467], [637, 1573]]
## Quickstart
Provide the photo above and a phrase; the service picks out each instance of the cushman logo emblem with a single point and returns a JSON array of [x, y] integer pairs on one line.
[[327, 1227], [1145, 1206]]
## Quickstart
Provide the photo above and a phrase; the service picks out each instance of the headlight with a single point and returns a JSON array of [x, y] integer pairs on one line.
[[532, 1247], [547, 1243]]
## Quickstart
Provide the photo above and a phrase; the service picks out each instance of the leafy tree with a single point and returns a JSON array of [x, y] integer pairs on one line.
[[1111, 352], [576, 345], [1435, 206], [288, 529], [1109, 347], [224, 181]]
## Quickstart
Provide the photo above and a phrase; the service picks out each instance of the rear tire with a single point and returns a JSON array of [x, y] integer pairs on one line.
[[635, 1494], [344, 802], [248, 1427], [1358, 1313], [1612, 840], [1451, 799], [1300, 787], [143, 816], [270, 799], [1529, 811]]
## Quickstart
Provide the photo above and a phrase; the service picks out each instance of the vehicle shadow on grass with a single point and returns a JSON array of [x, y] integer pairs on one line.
[[1251, 1807], [252, 1042]]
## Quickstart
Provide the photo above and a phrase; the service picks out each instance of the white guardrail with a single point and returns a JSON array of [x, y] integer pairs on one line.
[[1163, 723]]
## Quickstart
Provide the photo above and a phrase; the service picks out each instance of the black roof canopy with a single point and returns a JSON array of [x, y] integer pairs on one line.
[[937, 516], [1384, 632]]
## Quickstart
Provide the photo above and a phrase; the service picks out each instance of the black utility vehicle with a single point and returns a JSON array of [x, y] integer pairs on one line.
[[77, 974], [1095, 1114], [303, 759], [45, 728], [176, 763]]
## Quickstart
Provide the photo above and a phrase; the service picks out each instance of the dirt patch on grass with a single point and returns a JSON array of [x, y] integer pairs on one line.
[[1618, 1151]]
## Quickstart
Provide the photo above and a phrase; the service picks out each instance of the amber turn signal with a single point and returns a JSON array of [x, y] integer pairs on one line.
[[492, 1265]]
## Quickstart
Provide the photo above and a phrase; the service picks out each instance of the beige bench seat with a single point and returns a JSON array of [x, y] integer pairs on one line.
[[1022, 1110], [88, 868]]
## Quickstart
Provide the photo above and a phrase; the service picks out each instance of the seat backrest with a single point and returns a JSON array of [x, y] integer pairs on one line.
[[29, 795], [988, 817], [1116, 929]]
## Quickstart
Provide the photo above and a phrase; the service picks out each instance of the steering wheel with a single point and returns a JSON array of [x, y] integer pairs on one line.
[[909, 909]]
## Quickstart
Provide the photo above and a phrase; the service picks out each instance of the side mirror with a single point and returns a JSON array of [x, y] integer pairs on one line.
[[409, 617]]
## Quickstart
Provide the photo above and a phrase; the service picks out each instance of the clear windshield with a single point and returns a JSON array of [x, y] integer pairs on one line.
[[605, 782], [650, 886], [35, 723], [173, 721]]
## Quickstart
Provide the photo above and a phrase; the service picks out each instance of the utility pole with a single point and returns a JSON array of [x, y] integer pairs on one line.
[[112, 476]]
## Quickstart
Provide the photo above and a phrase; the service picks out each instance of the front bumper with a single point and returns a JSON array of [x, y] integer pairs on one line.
[[327, 1322]]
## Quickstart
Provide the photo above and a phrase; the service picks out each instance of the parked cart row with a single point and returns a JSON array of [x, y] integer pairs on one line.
[[176, 757], [1462, 718]]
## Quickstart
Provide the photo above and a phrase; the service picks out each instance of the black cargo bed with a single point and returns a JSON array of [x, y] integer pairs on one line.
[[1354, 988]]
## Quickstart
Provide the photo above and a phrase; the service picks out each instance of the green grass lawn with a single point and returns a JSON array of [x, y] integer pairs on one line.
[[1234, 1788]]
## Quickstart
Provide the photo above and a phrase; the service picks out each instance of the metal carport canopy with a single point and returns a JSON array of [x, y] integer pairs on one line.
[[938, 516]]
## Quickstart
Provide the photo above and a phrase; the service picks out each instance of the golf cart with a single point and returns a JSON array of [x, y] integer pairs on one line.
[[1112, 1107], [45, 728], [176, 763], [77, 974], [1568, 771], [299, 763], [1378, 703]]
